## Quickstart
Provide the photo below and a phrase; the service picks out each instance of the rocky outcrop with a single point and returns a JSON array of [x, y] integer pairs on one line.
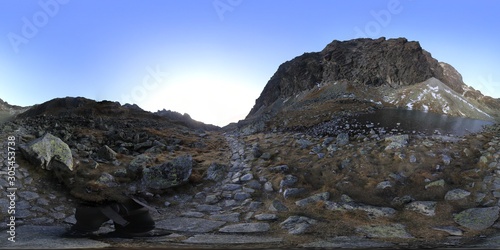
[[46, 151], [395, 62]]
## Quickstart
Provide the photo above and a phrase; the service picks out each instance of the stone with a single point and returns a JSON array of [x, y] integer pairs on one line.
[[223, 239], [239, 196], [342, 139], [303, 143], [293, 192], [191, 225], [231, 187], [246, 177], [313, 199], [265, 217], [385, 231], [396, 141], [212, 199], [28, 195], [268, 186], [277, 206], [477, 218], [348, 242], [46, 150], [139, 163], [297, 224], [216, 172], [438, 183], [232, 217], [383, 185], [106, 153], [279, 169], [257, 227], [450, 230], [288, 181], [424, 207], [208, 208], [456, 194], [169, 174], [48, 237]]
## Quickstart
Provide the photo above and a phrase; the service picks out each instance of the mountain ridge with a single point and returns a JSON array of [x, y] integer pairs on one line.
[[366, 70]]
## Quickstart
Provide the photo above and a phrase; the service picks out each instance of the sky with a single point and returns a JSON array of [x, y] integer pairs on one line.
[[212, 58]]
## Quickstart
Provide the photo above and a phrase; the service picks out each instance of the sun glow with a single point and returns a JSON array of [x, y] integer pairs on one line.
[[205, 98]]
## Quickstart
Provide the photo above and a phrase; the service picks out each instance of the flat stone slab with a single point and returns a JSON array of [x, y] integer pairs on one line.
[[385, 231], [348, 242], [192, 225], [246, 228], [46, 237], [231, 239]]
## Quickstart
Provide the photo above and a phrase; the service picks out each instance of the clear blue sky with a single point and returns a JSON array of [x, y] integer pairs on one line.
[[212, 58]]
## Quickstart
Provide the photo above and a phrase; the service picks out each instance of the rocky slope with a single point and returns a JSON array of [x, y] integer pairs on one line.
[[7, 111], [372, 73]]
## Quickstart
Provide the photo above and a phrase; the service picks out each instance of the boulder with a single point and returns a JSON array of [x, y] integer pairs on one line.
[[46, 151], [477, 218], [105, 153], [169, 174]]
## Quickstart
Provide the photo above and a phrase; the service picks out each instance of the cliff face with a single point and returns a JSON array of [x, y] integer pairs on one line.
[[393, 62], [359, 75]]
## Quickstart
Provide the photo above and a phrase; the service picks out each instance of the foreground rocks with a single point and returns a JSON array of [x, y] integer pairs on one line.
[[297, 190]]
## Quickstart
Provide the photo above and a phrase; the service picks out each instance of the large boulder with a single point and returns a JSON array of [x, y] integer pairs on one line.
[[477, 218], [169, 174], [48, 152]]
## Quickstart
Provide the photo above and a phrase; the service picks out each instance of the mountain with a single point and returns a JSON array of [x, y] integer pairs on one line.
[[79, 106], [7, 111], [360, 75]]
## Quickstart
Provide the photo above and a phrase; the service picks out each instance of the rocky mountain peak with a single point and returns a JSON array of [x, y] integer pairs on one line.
[[371, 62]]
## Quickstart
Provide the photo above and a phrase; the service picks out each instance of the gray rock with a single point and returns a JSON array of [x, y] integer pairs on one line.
[[106, 153], [293, 192], [253, 184], [456, 194], [477, 218], [216, 172], [303, 143], [232, 217], [139, 163], [28, 195], [47, 237], [208, 208], [342, 139], [424, 207], [450, 230], [288, 181], [279, 169], [191, 225], [396, 141], [266, 217], [435, 184], [385, 231], [383, 185], [297, 224], [47, 150], [231, 187], [246, 177], [222, 239], [349, 242], [266, 156], [313, 199], [193, 214], [376, 212], [239, 196], [212, 199], [167, 175], [277, 206], [268, 186], [258, 227]]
